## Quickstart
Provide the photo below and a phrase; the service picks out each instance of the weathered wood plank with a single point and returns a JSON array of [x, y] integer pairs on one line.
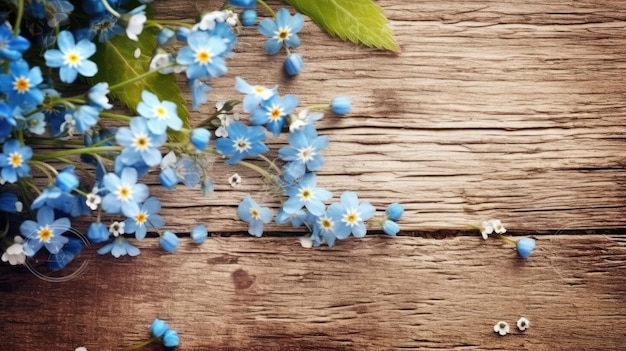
[[510, 110], [379, 293]]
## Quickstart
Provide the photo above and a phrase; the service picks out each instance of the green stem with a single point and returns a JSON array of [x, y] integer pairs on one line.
[[320, 107], [18, 19], [141, 345], [115, 116], [507, 239], [272, 164], [269, 9], [110, 9], [140, 77], [44, 167], [84, 150]]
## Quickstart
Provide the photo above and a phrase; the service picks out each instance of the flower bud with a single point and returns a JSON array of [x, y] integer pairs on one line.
[[165, 36], [199, 234], [67, 180], [158, 328], [394, 211], [243, 3], [247, 17], [341, 105], [390, 227], [169, 241], [97, 232], [293, 64], [170, 338], [168, 178], [525, 246], [200, 138]]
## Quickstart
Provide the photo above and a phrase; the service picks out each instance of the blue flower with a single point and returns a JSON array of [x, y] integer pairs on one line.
[[274, 111], [394, 211], [293, 64], [165, 36], [85, 117], [323, 230], [251, 213], [200, 138], [105, 26], [306, 194], [341, 105], [168, 178], [8, 202], [202, 56], [242, 141], [243, 3], [119, 247], [147, 217], [170, 338], [72, 57], [140, 143], [349, 215], [158, 328], [255, 94], [169, 241], [45, 232], [20, 84], [97, 232], [199, 234], [7, 122], [67, 180], [11, 47], [248, 16], [282, 31], [68, 252], [125, 193], [14, 161], [97, 96], [303, 152], [160, 115], [525, 247], [199, 89]]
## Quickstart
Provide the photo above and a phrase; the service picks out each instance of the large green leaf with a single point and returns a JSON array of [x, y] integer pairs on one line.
[[360, 21], [117, 63]]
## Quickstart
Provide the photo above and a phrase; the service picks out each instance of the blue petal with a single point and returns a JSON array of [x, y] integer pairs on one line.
[[267, 27]]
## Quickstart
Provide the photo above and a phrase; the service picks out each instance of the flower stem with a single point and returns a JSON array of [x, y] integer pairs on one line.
[[141, 345], [319, 108], [271, 163], [266, 6], [84, 150], [18, 19], [115, 116], [110, 9]]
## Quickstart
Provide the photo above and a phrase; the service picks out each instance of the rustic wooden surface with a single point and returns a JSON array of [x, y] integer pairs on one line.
[[511, 110]]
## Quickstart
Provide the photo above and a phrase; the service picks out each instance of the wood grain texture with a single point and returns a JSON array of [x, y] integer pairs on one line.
[[379, 293], [512, 110]]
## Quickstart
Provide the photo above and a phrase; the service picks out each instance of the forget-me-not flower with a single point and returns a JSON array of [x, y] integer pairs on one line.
[[273, 112], [140, 143], [11, 47], [160, 114], [242, 141], [20, 84], [119, 247], [349, 215], [255, 94], [14, 160], [72, 57], [281, 31], [125, 193], [306, 194], [147, 217], [253, 214], [203, 56], [303, 152], [45, 232]]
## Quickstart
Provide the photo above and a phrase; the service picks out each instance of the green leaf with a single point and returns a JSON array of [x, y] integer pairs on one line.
[[117, 63], [360, 21]]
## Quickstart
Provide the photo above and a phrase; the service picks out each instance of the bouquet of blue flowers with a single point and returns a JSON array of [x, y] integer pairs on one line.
[[67, 70]]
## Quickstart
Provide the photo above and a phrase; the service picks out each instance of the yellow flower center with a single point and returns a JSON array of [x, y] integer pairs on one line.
[[21, 84], [72, 58], [326, 223], [44, 234], [203, 57], [141, 218], [351, 218], [275, 113], [124, 193], [141, 143], [255, 213], [283, 34], [306, 194], [15, 160], [160, 111]]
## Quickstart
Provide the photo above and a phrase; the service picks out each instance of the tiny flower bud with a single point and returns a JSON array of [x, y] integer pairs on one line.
[[293, 64], [200, 138], [168, 178], [169, 241], [525, 246], [165, 36], [243, 3], [67, 180], [170, 338], [247, 17], [97, 232], [199, 234], [390, 227], [158, 328], [394, 211], [341, 105]]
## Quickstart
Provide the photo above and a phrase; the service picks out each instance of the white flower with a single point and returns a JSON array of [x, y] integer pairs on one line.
[[82, 348], [485, 229], [117, 228], [298, 121], [168, 160], [501, 328], [93, 199], [523, 323], [234, 180], [15, 253], [497, 226], [306, 241], [19, 206], [208, 20], [135, 26], [231, 18]]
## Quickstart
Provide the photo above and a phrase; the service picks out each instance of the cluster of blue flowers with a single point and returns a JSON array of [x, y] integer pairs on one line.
[[104, 165]]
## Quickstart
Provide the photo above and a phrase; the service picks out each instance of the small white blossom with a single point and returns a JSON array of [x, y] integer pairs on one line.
[[14, 254], [234, 180], [137, 53], [168, 160], [19, 206], [306, 241], [485, 229], [523, 323], [117, 228], [135, 26], [208, 20], [93, 199], [82, 348], [501, 328], [497, 226]]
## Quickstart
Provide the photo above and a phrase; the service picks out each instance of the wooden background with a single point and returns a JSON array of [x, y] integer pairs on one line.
[[511, 110]]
